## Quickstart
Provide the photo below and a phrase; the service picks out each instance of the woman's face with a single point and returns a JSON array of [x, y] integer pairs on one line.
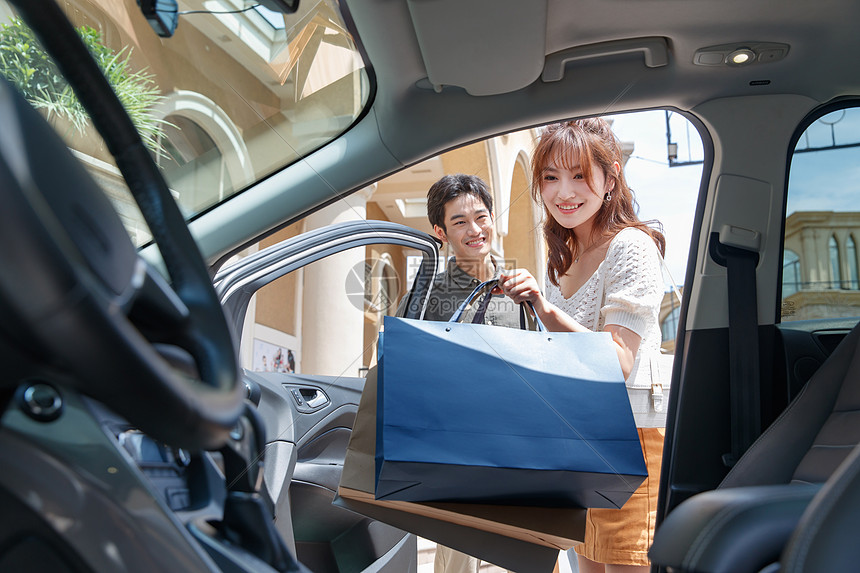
[[568, 197]]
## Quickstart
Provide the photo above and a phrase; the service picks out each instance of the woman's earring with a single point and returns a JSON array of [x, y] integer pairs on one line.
[[608, 197]]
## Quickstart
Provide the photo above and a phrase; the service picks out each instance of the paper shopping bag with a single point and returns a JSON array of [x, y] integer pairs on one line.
[[485, 414], [518, 538]]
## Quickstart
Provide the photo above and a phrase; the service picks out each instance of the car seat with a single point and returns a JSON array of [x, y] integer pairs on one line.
[[746, 522], [826, 537]]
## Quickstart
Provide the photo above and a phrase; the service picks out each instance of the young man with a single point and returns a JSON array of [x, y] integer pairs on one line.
[[460, 208]]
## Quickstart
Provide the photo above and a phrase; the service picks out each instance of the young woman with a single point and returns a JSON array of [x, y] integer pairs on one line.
[[603, 274]]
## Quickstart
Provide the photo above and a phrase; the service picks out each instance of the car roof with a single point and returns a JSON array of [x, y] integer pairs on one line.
[[448, 72]]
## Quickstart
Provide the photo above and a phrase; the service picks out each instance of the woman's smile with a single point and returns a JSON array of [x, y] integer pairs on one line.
[[567, 208]]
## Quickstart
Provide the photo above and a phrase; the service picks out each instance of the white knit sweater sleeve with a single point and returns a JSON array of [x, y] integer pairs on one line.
[[633, 283]]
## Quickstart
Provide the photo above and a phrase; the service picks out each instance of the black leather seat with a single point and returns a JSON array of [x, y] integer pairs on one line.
[[826, 537], [745, 524]]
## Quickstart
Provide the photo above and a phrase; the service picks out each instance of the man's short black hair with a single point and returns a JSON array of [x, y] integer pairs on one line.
[[449, 188]]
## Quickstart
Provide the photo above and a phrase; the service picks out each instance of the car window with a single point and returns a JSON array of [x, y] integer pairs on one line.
[[664, 156], [822, 224], [358, 288], [236, 94], [324, 318]]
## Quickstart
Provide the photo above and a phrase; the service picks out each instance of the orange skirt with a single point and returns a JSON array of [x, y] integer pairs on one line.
[[623, 536]]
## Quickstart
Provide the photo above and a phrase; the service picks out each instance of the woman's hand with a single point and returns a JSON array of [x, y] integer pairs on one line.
[[521, 286]]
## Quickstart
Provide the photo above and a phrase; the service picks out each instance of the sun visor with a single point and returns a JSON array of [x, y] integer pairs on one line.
[[487, 47]]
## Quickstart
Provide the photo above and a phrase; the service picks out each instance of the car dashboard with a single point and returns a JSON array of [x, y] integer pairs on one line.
[[102, 495]]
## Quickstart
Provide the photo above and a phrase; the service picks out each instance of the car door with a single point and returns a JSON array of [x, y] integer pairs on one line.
[[308, 402]]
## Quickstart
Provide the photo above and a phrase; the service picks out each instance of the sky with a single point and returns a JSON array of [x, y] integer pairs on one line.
[[827, 180], [818, 181], [667, 194]]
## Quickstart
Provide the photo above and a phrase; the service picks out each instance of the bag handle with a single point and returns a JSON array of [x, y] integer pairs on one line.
[[486, 289]]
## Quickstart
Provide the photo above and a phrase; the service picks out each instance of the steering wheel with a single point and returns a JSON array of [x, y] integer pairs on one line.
[[82, 308]]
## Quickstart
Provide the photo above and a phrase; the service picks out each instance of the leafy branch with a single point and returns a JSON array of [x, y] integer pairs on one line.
[[33, 72]]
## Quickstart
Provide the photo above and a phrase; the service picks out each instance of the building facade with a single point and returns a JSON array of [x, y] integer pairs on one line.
[[820, 265]]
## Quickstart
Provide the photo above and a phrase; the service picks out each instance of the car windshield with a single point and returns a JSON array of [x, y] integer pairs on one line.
[[236, 94]]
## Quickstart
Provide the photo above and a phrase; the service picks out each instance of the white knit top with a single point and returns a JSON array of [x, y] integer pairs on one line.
[[626, 289]]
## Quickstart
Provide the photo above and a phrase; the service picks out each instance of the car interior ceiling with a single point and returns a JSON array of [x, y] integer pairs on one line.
[[399, 132]]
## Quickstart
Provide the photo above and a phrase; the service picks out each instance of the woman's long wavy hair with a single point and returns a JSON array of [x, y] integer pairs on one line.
[[590, 144]]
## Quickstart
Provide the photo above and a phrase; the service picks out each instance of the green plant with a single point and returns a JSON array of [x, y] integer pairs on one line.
[[25, 64]]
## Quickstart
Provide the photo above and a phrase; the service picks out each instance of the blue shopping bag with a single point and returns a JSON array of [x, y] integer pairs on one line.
[[486, 414]]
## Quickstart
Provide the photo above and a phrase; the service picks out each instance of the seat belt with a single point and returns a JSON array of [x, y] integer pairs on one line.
[[737, 249]]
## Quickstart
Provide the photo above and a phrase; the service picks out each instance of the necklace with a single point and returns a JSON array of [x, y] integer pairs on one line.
[[591, 247]]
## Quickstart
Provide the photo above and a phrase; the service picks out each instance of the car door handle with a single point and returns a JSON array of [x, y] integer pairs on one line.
[[316, 398], [308, 398]]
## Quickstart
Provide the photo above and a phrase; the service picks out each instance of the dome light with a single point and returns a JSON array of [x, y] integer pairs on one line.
[[740, 57]]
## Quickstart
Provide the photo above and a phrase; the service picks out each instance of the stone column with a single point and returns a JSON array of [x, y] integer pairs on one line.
[[822, 258], [844, 271], [332, 330], [822, 237], [808, 260]]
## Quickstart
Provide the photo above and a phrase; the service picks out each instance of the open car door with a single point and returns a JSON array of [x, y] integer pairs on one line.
[[308, 395]]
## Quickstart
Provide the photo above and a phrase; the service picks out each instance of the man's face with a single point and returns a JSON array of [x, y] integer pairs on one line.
[[469, 228]]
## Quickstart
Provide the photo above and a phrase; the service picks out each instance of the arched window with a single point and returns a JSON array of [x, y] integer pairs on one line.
[[851, 255], [835, 269], [203, 146], [193, 165], [381, 285], [669, 326], [790, 273]]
